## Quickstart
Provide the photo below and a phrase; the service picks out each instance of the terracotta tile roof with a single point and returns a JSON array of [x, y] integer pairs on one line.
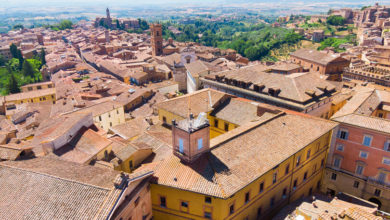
[[131, 128], [83, 147], [199, 101], [316, 56], [231, 164], [374, 123], [196, 68], [8, 152], [30, 94], [358, 110], [295, 87], [236, 111], [44, 188], [100, 108]]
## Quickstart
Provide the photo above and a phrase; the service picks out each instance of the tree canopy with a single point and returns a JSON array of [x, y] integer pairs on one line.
[[335, 20]]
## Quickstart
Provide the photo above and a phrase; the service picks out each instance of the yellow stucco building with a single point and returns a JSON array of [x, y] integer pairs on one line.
[[8, 103], [223, 110], [106, 114], [248, 172]]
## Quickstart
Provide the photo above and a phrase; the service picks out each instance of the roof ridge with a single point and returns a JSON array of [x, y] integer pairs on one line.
[[55, 177]]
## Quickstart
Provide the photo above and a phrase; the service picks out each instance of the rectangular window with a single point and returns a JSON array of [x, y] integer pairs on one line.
[[343, 134], [231, 209], [181, 145], [261, 187], [163, 202], [208, 215], [305, 176], [340, 147], [337, 162], [367, 140], [382, 177], [184, 204], [247, 197], [287, 169], [284, 193], [387, 146], [207, 199], [310, 191], [359, 169], [274, 178], [377, 192], [259, 212], [322, 163], [334, 176], [356, 184], [386, 161], [308, 154], [272, 202], [298, 160], [363, 154], [295, 184], [216, 123], [226, 126], [200, 143]]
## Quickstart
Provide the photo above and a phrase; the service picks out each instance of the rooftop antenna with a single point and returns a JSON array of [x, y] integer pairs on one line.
[[211, 103], [189, 112]]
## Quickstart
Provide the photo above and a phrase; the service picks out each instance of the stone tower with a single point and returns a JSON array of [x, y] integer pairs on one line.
[[191, 137], [157, 40], [108, 18]]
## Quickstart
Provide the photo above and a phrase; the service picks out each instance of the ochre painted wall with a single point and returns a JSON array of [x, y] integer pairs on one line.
[[312, 165]]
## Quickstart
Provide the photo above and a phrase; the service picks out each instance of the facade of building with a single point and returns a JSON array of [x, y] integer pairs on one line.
[[5, 52], [37, 86], [225, 178], [106, 114], [222, 110], [156, 40], [326, 64], [359, 158]]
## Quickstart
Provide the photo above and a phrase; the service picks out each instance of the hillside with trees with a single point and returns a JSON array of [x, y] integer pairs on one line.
[[19, 71], [254, 41]]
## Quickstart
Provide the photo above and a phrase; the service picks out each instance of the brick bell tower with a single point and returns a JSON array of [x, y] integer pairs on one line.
[[191, 137], [156, 39]]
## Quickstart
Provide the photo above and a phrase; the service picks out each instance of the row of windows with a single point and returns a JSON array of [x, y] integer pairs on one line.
[[109, 115], [356, 184], [226, 125], [247, 198], [367, 139], [181, 144]]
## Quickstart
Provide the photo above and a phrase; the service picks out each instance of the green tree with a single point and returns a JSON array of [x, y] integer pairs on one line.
[[19, 56], [65, 24], [2, 60], [42, 57], [28, 70], [14, 50], [17, 26], [335, 20], [12, 85]]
